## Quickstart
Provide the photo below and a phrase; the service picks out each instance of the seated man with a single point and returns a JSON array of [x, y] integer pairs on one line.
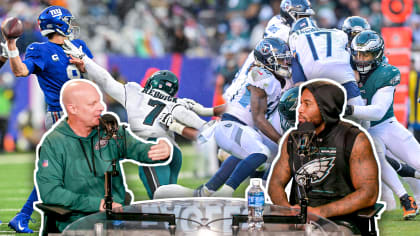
[[74, 155], [339, 161]]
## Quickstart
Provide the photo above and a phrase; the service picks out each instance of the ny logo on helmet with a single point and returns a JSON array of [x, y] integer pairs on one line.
[[56, 12]]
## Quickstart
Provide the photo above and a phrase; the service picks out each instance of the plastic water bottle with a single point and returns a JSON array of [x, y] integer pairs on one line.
[[255, 205]]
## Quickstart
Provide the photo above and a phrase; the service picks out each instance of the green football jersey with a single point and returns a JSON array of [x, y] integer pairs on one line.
[[384, 75]]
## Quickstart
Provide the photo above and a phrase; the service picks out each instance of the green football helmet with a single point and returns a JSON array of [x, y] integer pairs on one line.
[[288, 103], [367, 50], [163, 80], [353, 25]]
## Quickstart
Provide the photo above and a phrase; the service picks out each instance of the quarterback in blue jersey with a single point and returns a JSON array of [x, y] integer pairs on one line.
[[51, 65]]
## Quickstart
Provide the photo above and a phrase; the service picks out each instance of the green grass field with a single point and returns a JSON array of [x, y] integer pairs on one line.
[[16, 183]]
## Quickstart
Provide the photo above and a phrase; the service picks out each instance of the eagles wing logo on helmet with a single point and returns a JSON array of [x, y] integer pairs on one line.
[[318, 170]]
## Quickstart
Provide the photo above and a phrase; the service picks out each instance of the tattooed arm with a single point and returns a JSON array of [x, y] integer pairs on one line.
[[365, 179], [280, 177]]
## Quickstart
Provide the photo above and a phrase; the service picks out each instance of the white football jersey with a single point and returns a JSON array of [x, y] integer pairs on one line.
[[322, 54], [239, 104], [144, 108], [277, 28]]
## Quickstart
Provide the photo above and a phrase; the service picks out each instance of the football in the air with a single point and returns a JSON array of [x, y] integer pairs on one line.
[[12, 28]]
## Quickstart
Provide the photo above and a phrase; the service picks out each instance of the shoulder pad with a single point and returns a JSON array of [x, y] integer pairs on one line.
[[258, 73], [133, 85], [34, 49], [388, 75]]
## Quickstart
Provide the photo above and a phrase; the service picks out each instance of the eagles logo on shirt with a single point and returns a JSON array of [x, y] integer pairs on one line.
[[318, 170], [103, 143]]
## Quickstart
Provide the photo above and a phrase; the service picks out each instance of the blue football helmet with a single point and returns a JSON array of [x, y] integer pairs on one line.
[[292, 10], [56, 19], [274, 55], [305, 24]]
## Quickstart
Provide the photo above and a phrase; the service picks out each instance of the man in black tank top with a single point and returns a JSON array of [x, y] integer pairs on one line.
[[336, 162]]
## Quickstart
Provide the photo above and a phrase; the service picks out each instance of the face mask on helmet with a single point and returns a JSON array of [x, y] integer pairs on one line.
[[282, 64], [367, 51], [274, 55]]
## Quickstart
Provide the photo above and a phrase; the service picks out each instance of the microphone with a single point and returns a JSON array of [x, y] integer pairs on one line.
[[109, 123], [303, 137]]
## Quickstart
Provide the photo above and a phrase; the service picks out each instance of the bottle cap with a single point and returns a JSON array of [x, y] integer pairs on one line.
[[256, 181]]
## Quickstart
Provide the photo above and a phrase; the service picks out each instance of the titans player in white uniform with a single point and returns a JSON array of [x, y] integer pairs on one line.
[[277, 27], [321, 53], [378, 80], [144, 106], [51, 65], [246, 114]]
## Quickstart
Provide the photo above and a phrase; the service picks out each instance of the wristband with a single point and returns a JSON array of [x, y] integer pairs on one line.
[[206, 111], [177, 127], [13, 53]]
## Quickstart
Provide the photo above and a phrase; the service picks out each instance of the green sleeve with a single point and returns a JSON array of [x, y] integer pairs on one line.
[[50, 181], [137, 149]]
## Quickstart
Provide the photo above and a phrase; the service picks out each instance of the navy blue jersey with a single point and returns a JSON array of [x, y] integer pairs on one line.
[[52, 67]]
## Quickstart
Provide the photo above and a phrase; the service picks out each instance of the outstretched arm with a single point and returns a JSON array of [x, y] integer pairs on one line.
[[258, 109], [364, 176], [95, 72], [381, 101], [102, 78]]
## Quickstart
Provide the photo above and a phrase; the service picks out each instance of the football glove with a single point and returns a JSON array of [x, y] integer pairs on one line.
[[349, 110], [197, 107], [166, 119], [71, 49]]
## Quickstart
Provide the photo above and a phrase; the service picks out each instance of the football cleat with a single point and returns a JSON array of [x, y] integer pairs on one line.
[[409, 207], [203, 191], [19, 223]]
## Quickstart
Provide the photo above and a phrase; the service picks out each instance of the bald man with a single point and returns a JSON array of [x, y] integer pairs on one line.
[[74, 155]]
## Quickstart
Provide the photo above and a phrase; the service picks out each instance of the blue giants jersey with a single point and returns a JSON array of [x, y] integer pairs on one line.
[[52, 67]]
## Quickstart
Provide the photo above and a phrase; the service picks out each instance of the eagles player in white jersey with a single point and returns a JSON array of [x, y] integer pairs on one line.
[[144, 106], [321, 53], [378, 80]]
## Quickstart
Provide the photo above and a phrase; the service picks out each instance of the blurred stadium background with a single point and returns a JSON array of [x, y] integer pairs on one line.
[[204, 42]]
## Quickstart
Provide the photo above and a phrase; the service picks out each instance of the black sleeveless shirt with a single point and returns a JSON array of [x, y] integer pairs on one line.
[[328, 164]]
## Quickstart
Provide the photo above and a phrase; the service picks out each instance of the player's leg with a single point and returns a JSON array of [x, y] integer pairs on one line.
[[388, 196], [20, 222], [402, 169], [218, 179], [401, 142], [389, 175], [248, 141], [154, 177]]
